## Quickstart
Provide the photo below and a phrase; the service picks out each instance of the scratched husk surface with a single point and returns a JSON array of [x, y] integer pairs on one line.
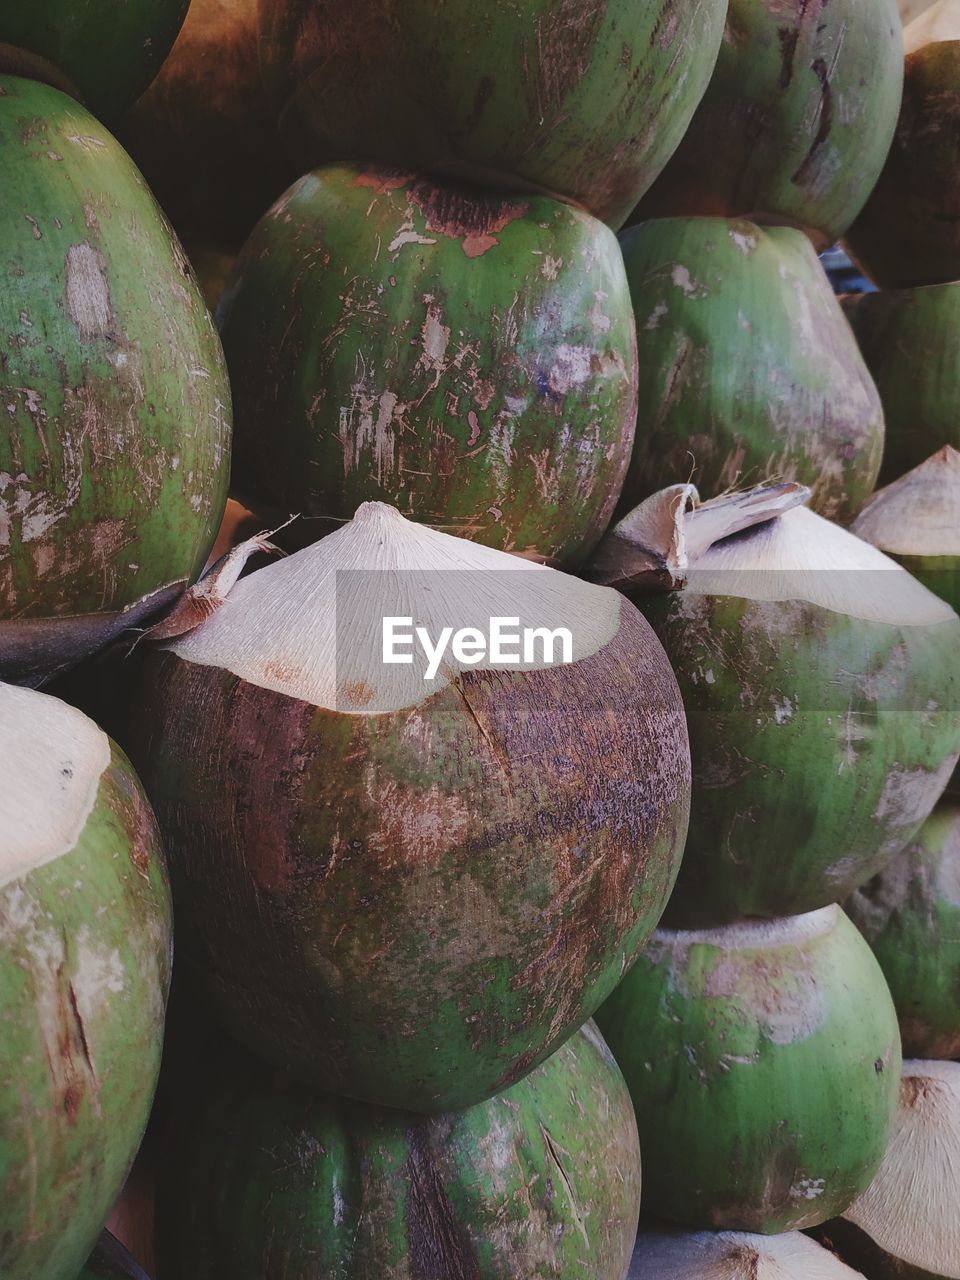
[[585, 98], [273, 1180], [411, 906], [85, 954], [466, 356], [114, 451], [796, 121], [764, 1064]]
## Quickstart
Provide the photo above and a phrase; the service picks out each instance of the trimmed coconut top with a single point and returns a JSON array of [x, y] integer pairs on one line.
[[761, 545], [51, 760], [733, 1255], [919, 514], [938, 23], [911, 1208], [311, 626], [745, 935]]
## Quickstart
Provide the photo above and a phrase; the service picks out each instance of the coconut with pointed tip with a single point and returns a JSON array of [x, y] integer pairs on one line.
[[908, 339], [114, 453], [542, 1180], [910, 915], [203, 133], [585, 98], [733, 1255], [916, 521], [795, 124], [109, 49], [747, 369], [111, 1261], [466, 357], [439, 878], [909, 230], [905, 1225], [763, 1061], [85, 940], [822, 689]]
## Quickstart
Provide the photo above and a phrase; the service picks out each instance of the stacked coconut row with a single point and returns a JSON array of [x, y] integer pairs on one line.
[[405, 896]]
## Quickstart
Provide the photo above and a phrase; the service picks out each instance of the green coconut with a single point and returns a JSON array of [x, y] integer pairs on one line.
[[916, 521], [822, 688], [797, 120], [114, 445], [85, 948], [905, 1225], [747, 369], [908, 339], [584, 98], [733, 1255], [542, 1180], [466, 357], [763, 1060], [109, 49], [203, 134], [111, 1261], [909, 231], [440, 878], [910, 915]]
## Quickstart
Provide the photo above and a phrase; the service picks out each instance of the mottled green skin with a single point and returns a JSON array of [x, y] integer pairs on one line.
[[110, 49], [543, 1180], [586, 98], [820, 743], [796, 122], [110, 1261], [908, 338], [909, 231], [467, 359], [910, 915], [747, 370], [765, 1079], [115, 422], [436, 897], [203, 134], [85, 951]]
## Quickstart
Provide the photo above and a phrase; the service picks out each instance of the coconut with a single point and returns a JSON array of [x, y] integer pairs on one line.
[[905, 1225], [85, 937], [747, 369], [910, 9], [541, 1180], [115, 448], [468, 358], [586, 98], [909, 231], [908, 339], [203, 133], [733, 1255], [916, 520], [111, 1261], [111, 52], [821, 686], [797, 119], [910, 915], [763, 1060], [440, 877]]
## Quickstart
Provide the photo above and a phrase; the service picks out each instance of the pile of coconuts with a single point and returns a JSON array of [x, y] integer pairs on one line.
[[456, 590]]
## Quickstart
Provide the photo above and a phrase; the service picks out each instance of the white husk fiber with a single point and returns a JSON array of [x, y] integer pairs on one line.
[[51, 760], [278, 628], [912, 1207], [732, 1255], [919, 514]]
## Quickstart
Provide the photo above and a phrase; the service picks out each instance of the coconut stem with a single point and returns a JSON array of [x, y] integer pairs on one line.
[[652, 548]]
